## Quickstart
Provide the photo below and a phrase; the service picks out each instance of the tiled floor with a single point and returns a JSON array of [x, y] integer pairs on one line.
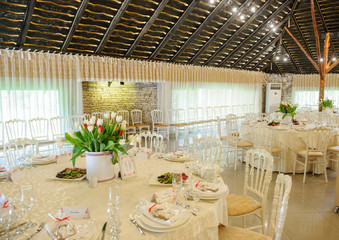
[[310, 209]]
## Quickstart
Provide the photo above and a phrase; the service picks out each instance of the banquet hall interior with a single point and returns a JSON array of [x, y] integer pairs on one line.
[[169, 119]]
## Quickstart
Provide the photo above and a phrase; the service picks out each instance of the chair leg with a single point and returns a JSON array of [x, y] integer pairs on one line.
[[244, 221], [305, 168], [294, 163], [262, 217], [325, 169], [236, 158]]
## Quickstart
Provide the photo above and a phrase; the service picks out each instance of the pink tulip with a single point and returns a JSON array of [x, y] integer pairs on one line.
[[100, 129]]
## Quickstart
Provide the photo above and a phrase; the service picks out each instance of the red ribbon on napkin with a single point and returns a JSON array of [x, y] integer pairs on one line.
[[5, 204], [196, 185], [63, 219], [2, 167], [149, 210]]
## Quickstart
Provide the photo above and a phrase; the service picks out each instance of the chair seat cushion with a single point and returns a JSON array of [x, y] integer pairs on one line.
[[178, 124], [161, 125], [236, 233], [274, 149], [130, 127], [240, 204], [241, 144], [333, 148], [141, 125], [311, 154]]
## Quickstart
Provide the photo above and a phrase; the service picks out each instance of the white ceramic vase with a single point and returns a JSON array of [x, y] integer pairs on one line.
[[99, 165], [287, 119]]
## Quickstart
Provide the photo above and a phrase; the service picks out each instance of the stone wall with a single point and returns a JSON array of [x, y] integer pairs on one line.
[[286, 80], [99, 97]]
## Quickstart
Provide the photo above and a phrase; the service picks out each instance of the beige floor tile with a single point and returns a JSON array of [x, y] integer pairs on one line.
[[310, 226], [296, 204], [332, 217], [322, 202]]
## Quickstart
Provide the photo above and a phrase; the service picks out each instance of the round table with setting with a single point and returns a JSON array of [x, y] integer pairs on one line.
[[50, 195]]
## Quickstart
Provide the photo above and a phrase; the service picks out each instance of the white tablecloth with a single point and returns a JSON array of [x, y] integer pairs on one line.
[[289, 140], [51, 195]]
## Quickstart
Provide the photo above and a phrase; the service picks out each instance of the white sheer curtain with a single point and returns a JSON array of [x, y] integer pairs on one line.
[[35, 84], [305, 89]]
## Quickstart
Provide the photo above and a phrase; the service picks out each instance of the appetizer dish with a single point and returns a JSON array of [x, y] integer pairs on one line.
[[71, 173], [273, 124], [166, 178], [295, 122]]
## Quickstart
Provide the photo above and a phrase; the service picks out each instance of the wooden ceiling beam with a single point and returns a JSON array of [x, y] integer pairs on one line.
[[146, 27], [301, 34], [174, 28], [228, 23], [26, 22], [248, 38], [294, 63], [267, 64], [112, 26], [220, 6], [76, 20], [277, 66], [263, 60]]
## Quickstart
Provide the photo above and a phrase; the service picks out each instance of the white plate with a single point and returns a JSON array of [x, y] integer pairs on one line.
[[179, 159], [3, 175], [91, 226], [43, 162], [223, 190], [70, 179]]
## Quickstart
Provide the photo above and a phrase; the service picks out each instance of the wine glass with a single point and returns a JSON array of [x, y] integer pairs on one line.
[[6, 220], [27, 201], [196, 197], [177, 184], [187, 189]]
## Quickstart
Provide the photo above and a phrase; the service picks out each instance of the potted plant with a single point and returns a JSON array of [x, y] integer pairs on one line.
[[289, 111], [327, 105], [101, 140]]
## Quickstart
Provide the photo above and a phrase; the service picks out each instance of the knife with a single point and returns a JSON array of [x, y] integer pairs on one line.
[[103, 231], [12, 228]]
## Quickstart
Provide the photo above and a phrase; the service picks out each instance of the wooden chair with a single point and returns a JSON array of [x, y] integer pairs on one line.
[[207, 149], [158, 122], [19, 152], [136, 116], [258, 175], [15, 129], [98, 115], [151, 141], [130, 129], [75, 119], [39, 128], [314, 152], [279, 207]]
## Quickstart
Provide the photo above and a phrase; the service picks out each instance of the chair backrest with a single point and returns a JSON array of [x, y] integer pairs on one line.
[[282, 190], [228, 110], [136, 116], [2, 135], [18, 151], [258, 173], [251, 108], [207, 149], [317, 140], [235, 109], [191, 114], [263, 138], [86, 116], [59, 126], [75, 119], [98, 115], [157, 116], [173, 116], [217, 111], [181, 116], [232, 125], [151, 141], [39, 128], [15, 129], [124, 114], [200, 114], [209, 113]]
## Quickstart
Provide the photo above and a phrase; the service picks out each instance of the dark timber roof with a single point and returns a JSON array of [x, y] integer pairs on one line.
[[183, 31]]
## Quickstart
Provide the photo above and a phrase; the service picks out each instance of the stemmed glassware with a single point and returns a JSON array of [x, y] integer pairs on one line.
[[177, 185], [26, 202], [187, 190], [6, 220], [113, 211], [196, 197]]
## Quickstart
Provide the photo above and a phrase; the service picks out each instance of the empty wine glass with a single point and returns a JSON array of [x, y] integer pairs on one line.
[[177, 184], [6, 221], [187, 189], [27, 201], [196, 197]]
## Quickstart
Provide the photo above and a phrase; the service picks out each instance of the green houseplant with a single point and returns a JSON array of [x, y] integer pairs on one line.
[[287, 108]]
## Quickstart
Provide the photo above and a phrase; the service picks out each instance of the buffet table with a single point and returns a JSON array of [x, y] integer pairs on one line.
[[289, 140], [51, 195]]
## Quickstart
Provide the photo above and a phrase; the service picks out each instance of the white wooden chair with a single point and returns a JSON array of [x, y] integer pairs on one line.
[[200, 119], [207, 149], [258, 174], [192, 121], [210, 120], [19, 152], [86, 117], [251, 108], [130, 129], [234, 143], [217, 112], [98, 115], [15, 129], [39, 128], [315, 151], [158, 122], [59, 126], [235, 110], [75, 119], [136, 116], [152, 141], [333, 152], [279, 208], [263, 139]]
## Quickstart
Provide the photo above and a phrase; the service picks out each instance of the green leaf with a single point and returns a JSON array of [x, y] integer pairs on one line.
[[102, 147]]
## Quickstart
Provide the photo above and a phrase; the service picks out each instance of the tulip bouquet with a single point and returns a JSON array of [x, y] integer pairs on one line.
[[99, 135], [287, 108], [326, 103]]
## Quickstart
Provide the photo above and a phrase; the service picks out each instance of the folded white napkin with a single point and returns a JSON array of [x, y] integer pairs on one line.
[[151, 210]]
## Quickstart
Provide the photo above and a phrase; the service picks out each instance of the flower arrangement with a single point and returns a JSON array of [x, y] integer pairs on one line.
[[99, 135], [326, 103], [287, 108]]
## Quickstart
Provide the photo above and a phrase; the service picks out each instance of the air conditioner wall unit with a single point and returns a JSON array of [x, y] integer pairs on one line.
[[273, 97]]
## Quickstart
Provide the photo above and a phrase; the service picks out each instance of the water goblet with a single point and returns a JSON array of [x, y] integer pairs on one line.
[[196, 197], [27, 201], [6, 221], [177, 184]]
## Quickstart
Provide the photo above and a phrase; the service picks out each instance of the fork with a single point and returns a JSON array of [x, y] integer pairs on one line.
[[37, 231], [132, 219]]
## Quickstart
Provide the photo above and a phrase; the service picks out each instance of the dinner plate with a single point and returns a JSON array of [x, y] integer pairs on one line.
[[179, 159], [43, 162], [154, 180], [87, 229], [3, 175], [70, 179], [209, 195]]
